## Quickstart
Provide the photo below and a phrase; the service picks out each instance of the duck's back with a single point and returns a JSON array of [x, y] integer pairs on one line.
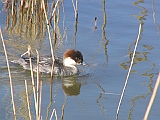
[[45, 65]]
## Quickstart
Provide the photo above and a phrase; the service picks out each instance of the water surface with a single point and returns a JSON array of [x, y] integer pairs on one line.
[[106, 49]]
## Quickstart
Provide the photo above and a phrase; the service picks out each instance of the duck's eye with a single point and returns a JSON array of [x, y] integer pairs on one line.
[[77, 59]]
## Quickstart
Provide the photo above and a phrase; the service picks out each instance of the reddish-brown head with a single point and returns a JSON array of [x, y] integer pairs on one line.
[[75, 55]]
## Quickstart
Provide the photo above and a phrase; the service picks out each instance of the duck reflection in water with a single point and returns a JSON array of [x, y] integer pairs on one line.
[[71, 86]]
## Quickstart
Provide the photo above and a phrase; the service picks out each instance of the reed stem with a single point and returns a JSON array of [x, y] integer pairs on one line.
[[38, 80], [40, 99], [53, 12], [32, 79], [28, 103], [152, 98], [75, 10], [54, 111], [12, 7], [129, 71], [10, 76], [49, 34]]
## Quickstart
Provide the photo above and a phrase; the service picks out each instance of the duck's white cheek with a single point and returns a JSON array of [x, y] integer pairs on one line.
[[68, 61]]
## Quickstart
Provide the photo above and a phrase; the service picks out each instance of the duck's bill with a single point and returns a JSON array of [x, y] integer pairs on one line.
[[83, 63]]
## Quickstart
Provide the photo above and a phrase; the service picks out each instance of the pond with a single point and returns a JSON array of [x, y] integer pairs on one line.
[[106, 34]]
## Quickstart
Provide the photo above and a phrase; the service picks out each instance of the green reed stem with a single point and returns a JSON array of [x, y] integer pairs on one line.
[[10, 76]]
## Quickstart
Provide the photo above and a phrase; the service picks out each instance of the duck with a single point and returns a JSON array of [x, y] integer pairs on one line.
[[65, 66]]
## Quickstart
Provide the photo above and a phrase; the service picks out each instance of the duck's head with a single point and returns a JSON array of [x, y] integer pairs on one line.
[[72, 57]]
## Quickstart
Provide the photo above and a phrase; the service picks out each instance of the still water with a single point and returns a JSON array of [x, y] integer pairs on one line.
[[106, 44]]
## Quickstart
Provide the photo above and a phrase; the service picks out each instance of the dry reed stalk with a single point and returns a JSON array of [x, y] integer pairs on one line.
[[38, 58], [48, 109], [40, 99], [55, 7], [49, 34], [128, 74], [32, 7], [21, 3], [7, 17], [95, 23], [51, 101], [54, 111], [32, 79], [76, 22], [62, 116], [10, 76], [55, 25], [12, 7], [28, 103], [152, 98], [75, 9]]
